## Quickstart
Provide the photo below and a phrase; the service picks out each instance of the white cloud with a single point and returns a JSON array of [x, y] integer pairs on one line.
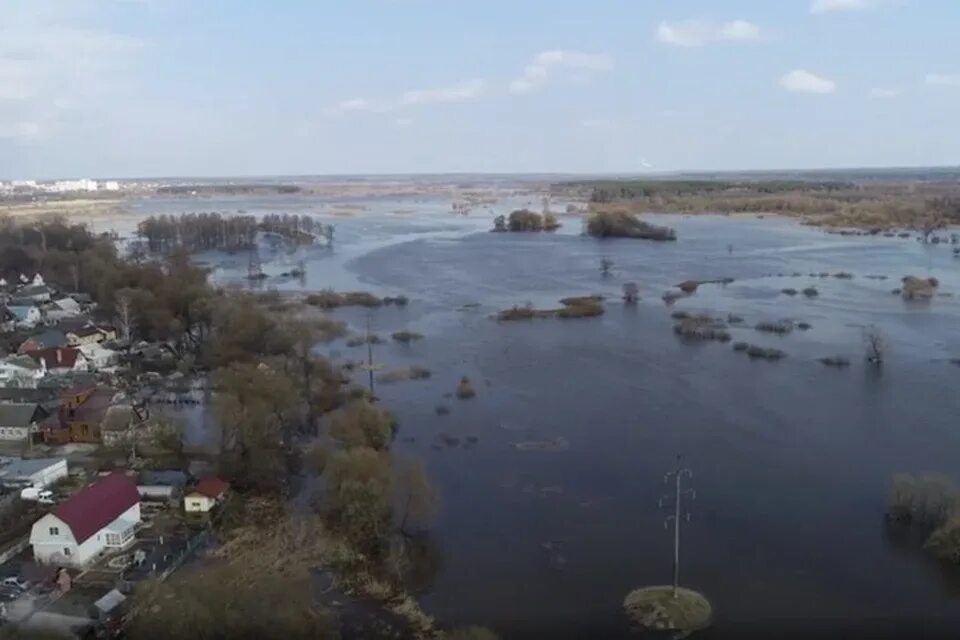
[[802, 81], [404, 122], [834, 6], [359, 105], [881, 93], [50, 63], [944, 79], [598, 123], [462, 92], [543, 66], [696, 33]]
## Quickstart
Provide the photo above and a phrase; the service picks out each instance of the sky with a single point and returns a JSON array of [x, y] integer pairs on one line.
[[140, 88]]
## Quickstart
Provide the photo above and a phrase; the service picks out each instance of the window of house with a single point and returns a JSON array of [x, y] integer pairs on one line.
[[54, 531], [113, 539], [66, 551], [195, 504]]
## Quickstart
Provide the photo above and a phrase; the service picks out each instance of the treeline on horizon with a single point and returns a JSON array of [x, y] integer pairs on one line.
[[923, 207], [610, 190], [227, 189], [208, 231]]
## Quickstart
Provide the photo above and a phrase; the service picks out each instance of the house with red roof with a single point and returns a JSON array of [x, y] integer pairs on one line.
[[60, 359], [205, 495], [99, 518]]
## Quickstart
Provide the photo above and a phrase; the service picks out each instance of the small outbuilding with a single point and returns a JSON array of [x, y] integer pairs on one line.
[[205, 495]]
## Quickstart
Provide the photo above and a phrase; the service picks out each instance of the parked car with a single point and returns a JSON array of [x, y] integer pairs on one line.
[[15, 582], [33, 493]]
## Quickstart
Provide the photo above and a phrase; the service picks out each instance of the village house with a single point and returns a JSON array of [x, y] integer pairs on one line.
[[86, 335], [60, 360], [99, 357], [18, 420], [99, 518], [83, 416], [43, 340], [61, 309], [34, 292], [205, 495], [27, 316], [21, 371], [32, 472]]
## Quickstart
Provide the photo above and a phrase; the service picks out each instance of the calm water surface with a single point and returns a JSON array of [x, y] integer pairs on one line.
[[791, 459]]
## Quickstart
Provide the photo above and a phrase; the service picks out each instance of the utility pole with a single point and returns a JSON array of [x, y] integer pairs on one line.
[[370, 366], [676, 476]]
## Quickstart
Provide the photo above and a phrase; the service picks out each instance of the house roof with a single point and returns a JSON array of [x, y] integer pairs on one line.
[[97, 505], [19, 414], [212, 487], [22, 362], [57, 357], [67, 304], [21, 469], [34, 290], [20, 310], [83, 332], [20, 394], [6, 315], [48, 338]]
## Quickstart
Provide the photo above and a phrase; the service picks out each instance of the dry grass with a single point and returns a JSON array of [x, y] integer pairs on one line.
[[656, 608], [329, 299]]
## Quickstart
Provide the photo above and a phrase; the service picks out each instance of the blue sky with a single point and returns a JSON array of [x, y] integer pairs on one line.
[[129, 88]]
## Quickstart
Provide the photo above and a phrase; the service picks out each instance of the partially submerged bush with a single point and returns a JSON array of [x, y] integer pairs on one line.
[[944, 542], [583, 309], [781, 327], [702, 328], [843, 275], [356, 341], [402, 375], [400, 301], [811, 292], [804, 326], [918, 288], [631, 292], [929, 500], [620, 224], [835, 361], [526, 220], [578, 300], [764, 353], [406, 337], [789, 291], [465, 389], [329, 299], [741, 346]]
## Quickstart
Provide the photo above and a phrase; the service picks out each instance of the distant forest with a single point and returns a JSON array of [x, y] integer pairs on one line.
[[610, 190]]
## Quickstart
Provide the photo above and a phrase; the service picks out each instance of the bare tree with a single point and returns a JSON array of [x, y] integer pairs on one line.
[[875, 345], [123, 302]]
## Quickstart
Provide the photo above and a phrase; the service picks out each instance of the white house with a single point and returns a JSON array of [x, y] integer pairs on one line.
[[21, 371], [100, 518], [98, 356], [59, 360], [62, 309], [32, 472], [205, 495]]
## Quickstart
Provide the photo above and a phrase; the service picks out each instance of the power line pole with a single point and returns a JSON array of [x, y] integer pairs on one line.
[[677, 476]]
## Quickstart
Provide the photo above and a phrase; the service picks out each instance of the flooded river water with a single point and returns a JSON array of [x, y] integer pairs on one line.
[[791, 459]]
